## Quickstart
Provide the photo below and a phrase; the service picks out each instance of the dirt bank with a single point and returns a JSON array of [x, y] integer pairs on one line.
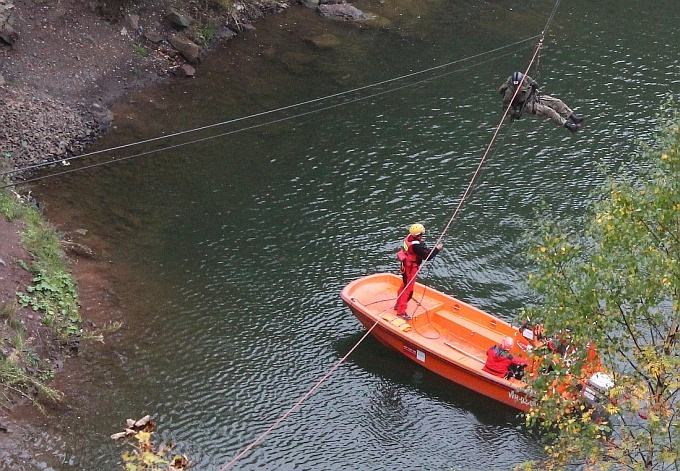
[[69, 60], [60, 69]]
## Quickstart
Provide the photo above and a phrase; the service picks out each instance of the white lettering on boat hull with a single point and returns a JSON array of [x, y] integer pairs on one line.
[[521, 399]]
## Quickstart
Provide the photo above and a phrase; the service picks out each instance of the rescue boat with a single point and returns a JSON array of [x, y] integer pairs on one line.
[[445, 335]]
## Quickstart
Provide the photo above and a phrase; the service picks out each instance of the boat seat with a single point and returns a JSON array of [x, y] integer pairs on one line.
[[424, 307], [470, 331]]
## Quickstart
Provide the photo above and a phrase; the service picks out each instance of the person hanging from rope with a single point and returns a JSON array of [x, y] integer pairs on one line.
[[411, 255], [529, 98]]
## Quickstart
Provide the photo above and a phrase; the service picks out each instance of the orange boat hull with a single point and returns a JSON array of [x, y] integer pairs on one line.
[[445, 335]]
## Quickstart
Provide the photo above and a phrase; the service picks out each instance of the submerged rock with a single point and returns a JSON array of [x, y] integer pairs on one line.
[[344, 11], [325, 41]]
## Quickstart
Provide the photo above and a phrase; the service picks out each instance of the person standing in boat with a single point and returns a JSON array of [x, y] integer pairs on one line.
[[528, 98], [500, 362], [412, 254]]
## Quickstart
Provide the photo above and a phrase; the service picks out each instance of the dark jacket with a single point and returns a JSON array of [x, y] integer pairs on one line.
[[524, 94]]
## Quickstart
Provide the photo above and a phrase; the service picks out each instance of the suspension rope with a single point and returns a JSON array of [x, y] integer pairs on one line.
[[268, 112], [466, 193], [227, 133]]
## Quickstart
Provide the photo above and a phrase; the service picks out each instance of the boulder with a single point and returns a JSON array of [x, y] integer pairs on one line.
[[8, 34], [102, 116], [132, 22], [325, 41], [153, 36], [179, 18], [185, 70], [344, 11], [225, 33], [189, 49]]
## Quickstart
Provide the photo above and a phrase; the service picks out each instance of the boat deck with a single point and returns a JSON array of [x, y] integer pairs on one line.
[[444, 334], [443, 325]]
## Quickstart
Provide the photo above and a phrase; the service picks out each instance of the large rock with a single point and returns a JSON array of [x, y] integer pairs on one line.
[[344, 11], [325, 41], [102, 116], [179, 18], [225, 33], [7, 21], [189, 49]]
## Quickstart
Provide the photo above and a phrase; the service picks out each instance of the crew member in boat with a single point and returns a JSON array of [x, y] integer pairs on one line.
[[500, 362], [528, 98], [412, 254]]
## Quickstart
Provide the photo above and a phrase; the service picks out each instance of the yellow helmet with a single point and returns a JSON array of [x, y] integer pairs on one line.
[[416, 229]]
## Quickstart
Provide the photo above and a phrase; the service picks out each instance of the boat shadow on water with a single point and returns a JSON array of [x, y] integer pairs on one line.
[[398, 372]]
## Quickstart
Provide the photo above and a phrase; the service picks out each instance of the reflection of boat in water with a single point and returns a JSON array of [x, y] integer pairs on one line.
[[451, 337], [445, 335]]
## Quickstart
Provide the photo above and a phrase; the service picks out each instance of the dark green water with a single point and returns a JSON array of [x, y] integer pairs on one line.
[[229, 254]]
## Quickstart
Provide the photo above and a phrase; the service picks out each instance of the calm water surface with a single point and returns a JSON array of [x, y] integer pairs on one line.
[[229, 254]]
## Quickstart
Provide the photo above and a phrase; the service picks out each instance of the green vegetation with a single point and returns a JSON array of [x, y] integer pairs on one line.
[[207, 33], [613, 279], [54, 291], [139, 50], [52, 295], [18, 358], [144, 455], [222, 4]]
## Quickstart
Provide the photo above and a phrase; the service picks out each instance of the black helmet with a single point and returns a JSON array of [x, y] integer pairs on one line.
[[517, 78]]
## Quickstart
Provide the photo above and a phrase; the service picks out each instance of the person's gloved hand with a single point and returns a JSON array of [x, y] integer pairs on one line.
[[534, 85]]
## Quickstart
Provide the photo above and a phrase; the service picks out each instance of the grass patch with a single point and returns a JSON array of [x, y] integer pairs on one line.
[[16, 380], [8, 315], [8, 207], [54, 291], [139, 50], [52, 295], [207, 32]]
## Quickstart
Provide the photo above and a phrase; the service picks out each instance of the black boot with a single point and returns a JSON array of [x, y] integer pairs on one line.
[[576, 118], [573, 127]]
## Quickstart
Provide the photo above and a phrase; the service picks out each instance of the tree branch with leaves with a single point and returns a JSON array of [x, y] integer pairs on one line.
[[612, 280]]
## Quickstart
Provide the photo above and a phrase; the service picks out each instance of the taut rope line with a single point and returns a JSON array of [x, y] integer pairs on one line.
[[457, 210], [264, 113], [214, 136]]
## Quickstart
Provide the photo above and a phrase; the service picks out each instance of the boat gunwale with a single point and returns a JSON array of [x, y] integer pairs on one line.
[[497, 388]]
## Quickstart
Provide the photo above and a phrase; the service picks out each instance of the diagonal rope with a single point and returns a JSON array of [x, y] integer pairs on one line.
[[466, 193]]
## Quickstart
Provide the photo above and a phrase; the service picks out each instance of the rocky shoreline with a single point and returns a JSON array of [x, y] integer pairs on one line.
[[62, 66]]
